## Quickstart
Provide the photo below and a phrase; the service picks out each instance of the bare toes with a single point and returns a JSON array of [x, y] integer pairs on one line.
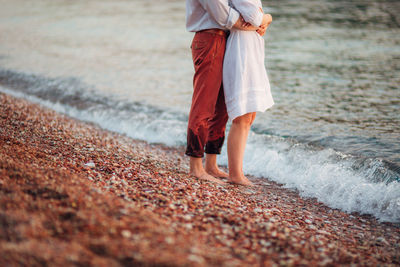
[[218, 173], [210, 178]]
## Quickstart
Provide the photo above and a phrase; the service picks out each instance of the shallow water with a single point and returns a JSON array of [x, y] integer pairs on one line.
[[334, 132]]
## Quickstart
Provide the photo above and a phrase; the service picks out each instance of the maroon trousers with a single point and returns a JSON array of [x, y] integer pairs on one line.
[[208, 115]]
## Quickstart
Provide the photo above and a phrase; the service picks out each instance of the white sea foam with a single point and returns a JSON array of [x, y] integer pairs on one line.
[[160, 128], [325, 174]]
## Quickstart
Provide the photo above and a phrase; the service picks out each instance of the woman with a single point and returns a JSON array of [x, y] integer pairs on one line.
[[246, 84]]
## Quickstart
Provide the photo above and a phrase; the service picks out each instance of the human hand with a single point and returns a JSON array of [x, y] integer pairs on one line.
[[244, 24], [267, 19]]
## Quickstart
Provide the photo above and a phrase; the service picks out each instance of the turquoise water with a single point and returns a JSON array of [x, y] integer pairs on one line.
[[333, 134]]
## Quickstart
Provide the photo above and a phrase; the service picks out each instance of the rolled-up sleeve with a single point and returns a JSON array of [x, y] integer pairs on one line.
[[250, 12], [221, 12]]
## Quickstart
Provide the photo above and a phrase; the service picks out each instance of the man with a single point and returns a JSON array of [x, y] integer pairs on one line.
[[210, 19]]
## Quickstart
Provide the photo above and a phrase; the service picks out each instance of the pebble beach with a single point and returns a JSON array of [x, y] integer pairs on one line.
[[73, 194]]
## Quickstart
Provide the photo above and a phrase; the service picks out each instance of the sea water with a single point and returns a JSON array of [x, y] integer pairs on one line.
[[333, 134]]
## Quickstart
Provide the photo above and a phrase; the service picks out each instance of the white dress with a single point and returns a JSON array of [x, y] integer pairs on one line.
[[245, 80]]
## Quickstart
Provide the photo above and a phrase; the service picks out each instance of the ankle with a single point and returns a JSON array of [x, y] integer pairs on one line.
[[196, 167], [197, 172], [211, 167], [235, 175], [210, 161], [196, 163]]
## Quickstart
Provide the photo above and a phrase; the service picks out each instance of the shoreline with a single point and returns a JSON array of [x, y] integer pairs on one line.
[[73, 193]]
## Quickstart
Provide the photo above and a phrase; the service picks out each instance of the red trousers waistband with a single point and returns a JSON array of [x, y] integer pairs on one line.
[[215, 31]]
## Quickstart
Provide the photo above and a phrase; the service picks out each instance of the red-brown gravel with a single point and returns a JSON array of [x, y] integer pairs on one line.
[[74, 194]]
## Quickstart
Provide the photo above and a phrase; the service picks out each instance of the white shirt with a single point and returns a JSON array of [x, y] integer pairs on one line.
[[209, 14]]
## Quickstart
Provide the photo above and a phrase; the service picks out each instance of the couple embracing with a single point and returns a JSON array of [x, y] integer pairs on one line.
[[230, 82]]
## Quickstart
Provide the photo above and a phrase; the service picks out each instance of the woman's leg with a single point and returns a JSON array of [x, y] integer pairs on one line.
[[236, 144]]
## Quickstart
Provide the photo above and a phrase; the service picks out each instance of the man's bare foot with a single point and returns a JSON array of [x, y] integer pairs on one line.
[[217, 172], [205, 176], [197, 170], [211, 166], [241, 180]]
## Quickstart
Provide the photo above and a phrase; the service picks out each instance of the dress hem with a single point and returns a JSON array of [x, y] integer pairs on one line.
[[237, 112]]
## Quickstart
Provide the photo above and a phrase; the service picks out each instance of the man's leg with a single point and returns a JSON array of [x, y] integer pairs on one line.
[[216, 137], [207, 81]]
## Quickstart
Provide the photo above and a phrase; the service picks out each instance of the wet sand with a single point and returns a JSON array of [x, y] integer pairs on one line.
[[74, 194]]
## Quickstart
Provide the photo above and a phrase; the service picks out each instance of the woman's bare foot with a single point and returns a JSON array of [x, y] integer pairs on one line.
[[241, 180], [217, 172]]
